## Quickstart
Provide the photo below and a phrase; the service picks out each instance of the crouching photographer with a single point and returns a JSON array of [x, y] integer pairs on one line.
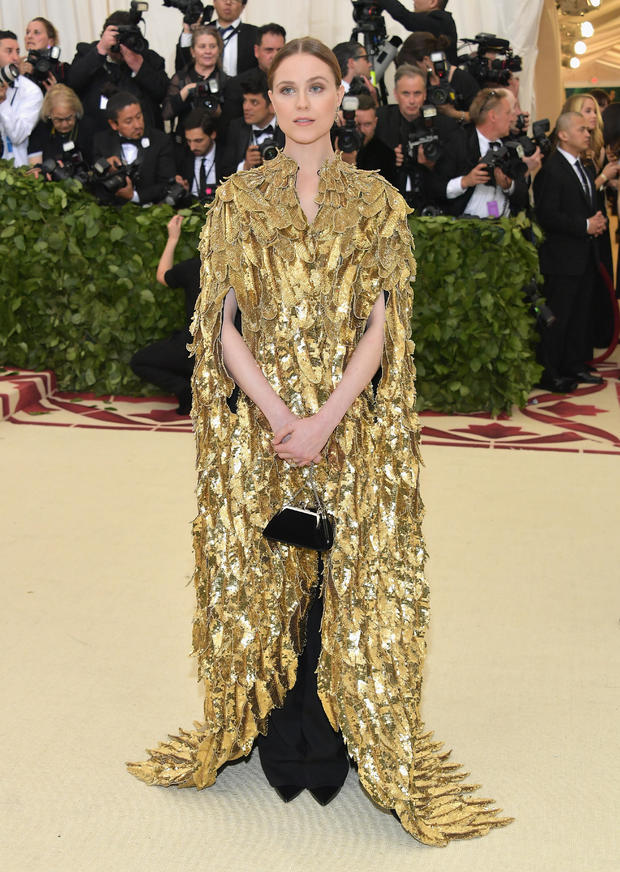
[[417, 135], [483, 176], [63, 129], [143, 156]]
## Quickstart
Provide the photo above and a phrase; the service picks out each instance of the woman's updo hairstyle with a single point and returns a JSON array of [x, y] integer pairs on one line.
[[305, 45]]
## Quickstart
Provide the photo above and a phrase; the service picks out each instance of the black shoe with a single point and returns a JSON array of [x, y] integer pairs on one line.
[[587, 378], [561, 385], [324, 795], [185, 403], [287, 792]]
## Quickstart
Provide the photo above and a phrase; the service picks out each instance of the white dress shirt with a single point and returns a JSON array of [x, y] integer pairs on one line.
[[209, 159], [19, 112], [229, 60], [478, 204]]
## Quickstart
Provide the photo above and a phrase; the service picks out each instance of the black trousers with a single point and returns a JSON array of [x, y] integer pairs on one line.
[[566, 346], [166, 364], [301, 748]]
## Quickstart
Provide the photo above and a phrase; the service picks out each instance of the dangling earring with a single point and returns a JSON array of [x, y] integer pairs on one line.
[[336, 118]]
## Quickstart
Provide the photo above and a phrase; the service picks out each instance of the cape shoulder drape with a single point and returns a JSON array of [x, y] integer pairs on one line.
[[305, 293]]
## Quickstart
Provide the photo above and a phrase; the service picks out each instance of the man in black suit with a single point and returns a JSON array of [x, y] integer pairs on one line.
[[374, 154], [200, 164], [571, 212], [403, 123], [100, 68], [239, 38], [429, 15], [128, 141], [469, 186], [247, 135], [269, 40]]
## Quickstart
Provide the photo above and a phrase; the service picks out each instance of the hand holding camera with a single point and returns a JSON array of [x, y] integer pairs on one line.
[[109, 38], [478, 176], [253, 157]]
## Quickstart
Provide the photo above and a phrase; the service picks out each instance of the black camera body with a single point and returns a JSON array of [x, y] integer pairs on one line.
[[539, 138], [73, 166], [207, 95], [429, 140], [111, 179], [349, 137], [130, 34], [43, 62], [439, 95], [508, 158], [268, 148], [193, 10], [486, 71]]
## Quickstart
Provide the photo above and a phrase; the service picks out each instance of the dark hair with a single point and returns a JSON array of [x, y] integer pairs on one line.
[[602, 97], [611, 125], [306, 45], [256, 84], [275, 29], [115, 18], [345, 51], [365, 102], [199, 118], [442, 4], [52, 33], [7, 34], [419, 45], [118, 101]]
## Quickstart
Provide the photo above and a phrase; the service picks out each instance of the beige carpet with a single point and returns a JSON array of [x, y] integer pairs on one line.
[[522, 675]]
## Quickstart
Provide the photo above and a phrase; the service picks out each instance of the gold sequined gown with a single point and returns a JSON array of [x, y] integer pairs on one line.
[[305, 294]]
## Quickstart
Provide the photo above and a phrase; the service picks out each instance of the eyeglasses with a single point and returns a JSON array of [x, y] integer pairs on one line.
[[361, 57], [57, 120]]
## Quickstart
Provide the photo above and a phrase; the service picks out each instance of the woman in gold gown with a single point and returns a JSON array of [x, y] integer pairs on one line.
[[317, 256]]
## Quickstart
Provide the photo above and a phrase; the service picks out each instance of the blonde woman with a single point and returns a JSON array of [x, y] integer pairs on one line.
[[62, 130]]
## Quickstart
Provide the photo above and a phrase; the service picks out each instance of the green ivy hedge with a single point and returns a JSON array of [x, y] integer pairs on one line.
[[474, 332], [80, 296]]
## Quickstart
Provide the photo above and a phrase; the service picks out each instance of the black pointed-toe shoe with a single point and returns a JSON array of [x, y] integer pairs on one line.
[[287, 792], [324, 795]]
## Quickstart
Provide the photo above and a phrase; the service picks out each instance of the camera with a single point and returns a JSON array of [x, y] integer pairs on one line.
[[268, 148], [177, 195], [508, 158], [193, 10], [357, 86], [111, 179], [539, 307], [43, 62], [429, 141], [497, 71], [8, 74], [73, 165], [538, 139], [439, 95], [207, 94], [130, 34], [349, 137]]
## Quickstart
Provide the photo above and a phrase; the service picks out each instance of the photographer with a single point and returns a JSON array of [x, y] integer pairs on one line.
[[429, 15], [355, 69], [42, 63], [443, 79], [373, 154], [129, 144], [199, 85], [166, 363], [270, 38], [248, 137], [100, 68], [473, 182], [400, 126], [20, 102], [239, 39], [200, 165], [62, 130]]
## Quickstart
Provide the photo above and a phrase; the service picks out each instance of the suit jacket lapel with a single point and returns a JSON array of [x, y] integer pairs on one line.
[[571, 174]]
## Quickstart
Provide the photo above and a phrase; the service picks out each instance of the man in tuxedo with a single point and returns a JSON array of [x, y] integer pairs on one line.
[[269, 40], [200, 165], [246, 135], [571, 212], [469, 186], [404, 122], [429, 15], [239, 38], [99, 68], [128, 141]]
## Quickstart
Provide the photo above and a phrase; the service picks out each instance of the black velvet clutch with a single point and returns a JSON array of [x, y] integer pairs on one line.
[[302, 526]]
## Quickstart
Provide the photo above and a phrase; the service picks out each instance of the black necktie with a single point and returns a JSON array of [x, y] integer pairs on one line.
[[202, 179], [264, 131], [495, 145], [224, 30], [125, 141], [585, 184]]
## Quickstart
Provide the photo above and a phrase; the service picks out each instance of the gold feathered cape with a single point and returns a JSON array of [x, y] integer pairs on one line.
[[305, 293]]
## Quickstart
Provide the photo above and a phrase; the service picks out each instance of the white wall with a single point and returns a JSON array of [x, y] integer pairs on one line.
[[330, 20]]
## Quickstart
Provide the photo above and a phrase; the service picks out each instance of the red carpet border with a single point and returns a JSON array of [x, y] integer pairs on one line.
[[587, 420]]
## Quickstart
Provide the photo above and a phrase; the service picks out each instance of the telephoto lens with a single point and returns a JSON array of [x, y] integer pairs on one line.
[[8, 74]]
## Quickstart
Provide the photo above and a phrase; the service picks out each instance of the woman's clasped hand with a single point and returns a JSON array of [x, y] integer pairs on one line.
[[301, 440]]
